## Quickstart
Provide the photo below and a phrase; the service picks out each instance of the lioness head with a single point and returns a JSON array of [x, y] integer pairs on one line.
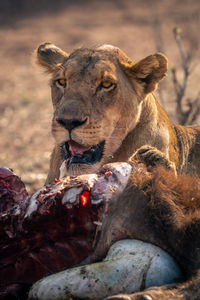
[[97, 95]]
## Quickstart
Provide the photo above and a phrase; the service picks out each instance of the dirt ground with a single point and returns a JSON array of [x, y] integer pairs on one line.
[[139, 27]]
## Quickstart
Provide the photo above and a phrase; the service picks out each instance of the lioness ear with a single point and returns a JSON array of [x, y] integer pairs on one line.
[[49, 56], [150, 70]]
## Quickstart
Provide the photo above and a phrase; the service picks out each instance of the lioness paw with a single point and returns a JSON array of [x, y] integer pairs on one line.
[[156, 293], [153, 157], [131, 297]]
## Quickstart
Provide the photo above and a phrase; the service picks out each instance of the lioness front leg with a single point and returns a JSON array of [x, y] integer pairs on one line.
[[153, 157], [167, 292]]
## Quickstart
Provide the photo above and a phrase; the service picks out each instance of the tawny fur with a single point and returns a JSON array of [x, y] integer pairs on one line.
[[126, 117]]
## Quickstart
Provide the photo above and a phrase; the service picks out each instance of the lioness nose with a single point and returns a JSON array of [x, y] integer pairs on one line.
[[70, 124]]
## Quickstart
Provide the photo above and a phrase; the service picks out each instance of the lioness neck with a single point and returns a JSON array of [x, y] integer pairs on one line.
[[152, 129], [179, 143]]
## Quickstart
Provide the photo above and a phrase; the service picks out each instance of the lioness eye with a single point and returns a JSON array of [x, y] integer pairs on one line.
[[106, 84], [61, 82]]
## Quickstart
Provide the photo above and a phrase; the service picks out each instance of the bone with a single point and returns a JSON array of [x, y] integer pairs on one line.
[[129, 266]]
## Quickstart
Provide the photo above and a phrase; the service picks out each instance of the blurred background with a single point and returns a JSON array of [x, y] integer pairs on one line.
[[138, 27]]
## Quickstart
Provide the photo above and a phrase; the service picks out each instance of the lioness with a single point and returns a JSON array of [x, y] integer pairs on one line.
[[104, 110]]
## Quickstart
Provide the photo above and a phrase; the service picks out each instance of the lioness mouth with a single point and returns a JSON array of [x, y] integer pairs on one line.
[[75, 153]]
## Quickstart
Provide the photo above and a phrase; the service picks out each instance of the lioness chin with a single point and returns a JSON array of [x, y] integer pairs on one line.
[[104, 110]]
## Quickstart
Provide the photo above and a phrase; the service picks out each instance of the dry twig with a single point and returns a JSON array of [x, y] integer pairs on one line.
[[185, 117]]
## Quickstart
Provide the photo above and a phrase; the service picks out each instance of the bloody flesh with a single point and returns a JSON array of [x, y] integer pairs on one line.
[[55, 237], [85, 199], [55, 228]]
